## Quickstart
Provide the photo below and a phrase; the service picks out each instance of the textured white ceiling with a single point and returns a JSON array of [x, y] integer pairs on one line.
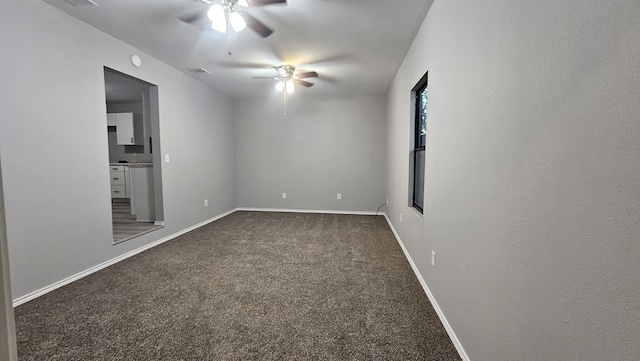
[[355, 45]]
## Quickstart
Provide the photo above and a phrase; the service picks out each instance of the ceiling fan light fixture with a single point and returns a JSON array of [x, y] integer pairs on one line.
[[280, 86], [237, 22], [289, 86], [217, 16], [243, 3]]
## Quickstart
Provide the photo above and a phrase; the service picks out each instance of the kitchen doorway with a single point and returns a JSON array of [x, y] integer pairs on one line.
[[135, 178]]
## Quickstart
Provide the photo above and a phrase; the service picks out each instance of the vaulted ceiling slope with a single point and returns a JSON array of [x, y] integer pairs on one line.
[[356, 46]]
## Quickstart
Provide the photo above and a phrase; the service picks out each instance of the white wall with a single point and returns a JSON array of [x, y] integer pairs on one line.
[[532, 201], [54, 144], [322, 147]]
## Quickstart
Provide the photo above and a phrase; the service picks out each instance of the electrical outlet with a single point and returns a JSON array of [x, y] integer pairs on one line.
[[400, 217], [284, 195], [206, 203], [339, 196], [433, 259], [166, 158]]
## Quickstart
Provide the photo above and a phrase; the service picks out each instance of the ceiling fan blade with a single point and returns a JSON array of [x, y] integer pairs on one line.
[[264, 77], [258, 3], [242, 65], [256, 25], [192, 18], [304, 83], [199, 20], [309, 74]]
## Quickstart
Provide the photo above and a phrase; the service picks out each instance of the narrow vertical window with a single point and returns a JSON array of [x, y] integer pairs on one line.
[[420, 93]]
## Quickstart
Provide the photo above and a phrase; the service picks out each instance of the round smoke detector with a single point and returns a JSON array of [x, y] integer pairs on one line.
[[135, 60]]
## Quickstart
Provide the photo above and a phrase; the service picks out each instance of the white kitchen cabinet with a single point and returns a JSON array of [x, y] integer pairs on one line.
[[129, 128], [120, 181], [118, 192]]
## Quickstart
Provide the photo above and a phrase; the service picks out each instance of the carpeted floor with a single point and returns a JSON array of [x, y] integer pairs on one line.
[[250, 286]]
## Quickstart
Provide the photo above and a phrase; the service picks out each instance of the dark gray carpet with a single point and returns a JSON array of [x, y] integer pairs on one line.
[[251, 286]]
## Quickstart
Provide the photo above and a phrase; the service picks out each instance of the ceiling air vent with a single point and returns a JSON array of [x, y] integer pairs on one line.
[[82, 3], [200, 71]]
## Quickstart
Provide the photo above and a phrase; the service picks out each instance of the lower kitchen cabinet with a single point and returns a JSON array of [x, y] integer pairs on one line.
[[120, 181]]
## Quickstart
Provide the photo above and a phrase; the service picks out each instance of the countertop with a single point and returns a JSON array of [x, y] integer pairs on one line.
[[135, 164]]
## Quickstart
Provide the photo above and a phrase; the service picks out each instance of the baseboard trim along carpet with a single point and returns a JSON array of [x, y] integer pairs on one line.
[[281, 210], [35, 294], [445, 323]]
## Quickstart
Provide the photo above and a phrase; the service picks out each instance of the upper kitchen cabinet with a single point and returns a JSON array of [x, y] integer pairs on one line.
[[111, 119], [129, 128]]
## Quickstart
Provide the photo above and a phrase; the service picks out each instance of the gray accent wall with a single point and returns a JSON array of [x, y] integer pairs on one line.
[[532, 200], [55, 152], [322, 147]]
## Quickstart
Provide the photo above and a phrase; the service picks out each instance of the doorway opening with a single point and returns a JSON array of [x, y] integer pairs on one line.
[[135, 177]]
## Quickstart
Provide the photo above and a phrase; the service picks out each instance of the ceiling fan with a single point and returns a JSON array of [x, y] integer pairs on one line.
[[287, 78], [224, 14]]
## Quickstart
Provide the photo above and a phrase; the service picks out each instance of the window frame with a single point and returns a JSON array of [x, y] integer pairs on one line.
[[417, 147]]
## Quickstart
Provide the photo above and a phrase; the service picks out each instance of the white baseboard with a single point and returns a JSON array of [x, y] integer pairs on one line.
[[35, 294], [434, 303], [324, 211]]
